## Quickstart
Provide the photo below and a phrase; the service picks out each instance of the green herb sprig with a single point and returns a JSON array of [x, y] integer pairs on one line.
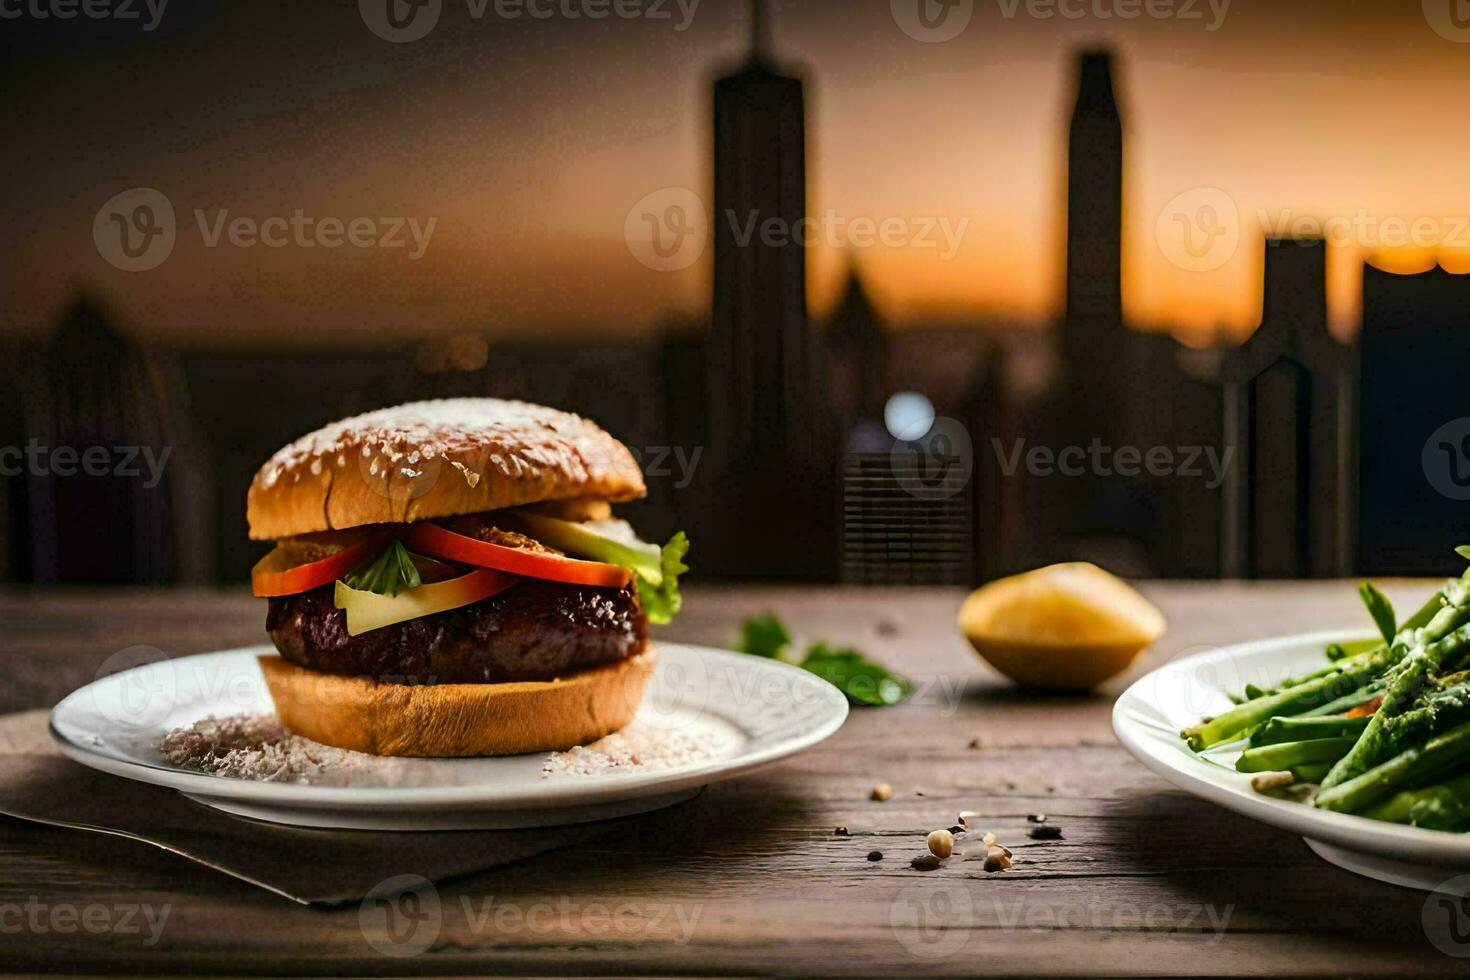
[[863, 681]]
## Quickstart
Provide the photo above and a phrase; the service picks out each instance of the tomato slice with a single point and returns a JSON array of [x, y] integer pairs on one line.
[[274, 576], [368, 611], [431, 539]]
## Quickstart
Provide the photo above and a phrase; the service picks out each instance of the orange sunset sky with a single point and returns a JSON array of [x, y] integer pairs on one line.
[[529, 141]]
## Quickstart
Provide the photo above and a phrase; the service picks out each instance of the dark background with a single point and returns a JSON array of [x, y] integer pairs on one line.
[[753, 379]]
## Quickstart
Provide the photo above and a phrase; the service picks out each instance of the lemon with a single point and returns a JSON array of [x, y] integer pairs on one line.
[[1067, 627]]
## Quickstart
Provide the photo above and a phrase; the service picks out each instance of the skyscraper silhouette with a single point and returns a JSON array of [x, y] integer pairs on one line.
[[1288, 419], [1094, 348], [1415, 434], [766, 423], [1094, 315]]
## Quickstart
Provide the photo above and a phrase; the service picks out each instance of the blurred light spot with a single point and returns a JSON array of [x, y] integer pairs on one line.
[[908, 416]]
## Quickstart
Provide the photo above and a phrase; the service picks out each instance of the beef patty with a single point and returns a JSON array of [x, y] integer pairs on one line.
[[536, 631]]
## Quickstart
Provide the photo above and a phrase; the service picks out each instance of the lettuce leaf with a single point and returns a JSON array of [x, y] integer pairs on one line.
[[388, 574], [661, 601]]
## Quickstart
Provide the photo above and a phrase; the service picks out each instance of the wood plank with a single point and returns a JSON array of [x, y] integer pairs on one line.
[[751, 877]]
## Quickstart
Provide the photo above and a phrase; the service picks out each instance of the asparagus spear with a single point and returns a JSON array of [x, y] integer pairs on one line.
[[1252, 691], [1278, 730], [1348, 702], [1442, 806], [1341, 651], [1350, 675], [1288, 755], [1415, 767], [1312, 772], [1439, 644]]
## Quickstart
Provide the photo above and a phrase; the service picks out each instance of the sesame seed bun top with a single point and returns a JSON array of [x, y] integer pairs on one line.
[[436, 459]]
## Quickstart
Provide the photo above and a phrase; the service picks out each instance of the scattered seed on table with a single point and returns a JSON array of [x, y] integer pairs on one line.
[[881, 793], [997, 859], [957, 829], [1036, 818], [925, 862], [918, 792], [975, 743], [841, 832], [989, 839], [875, 855], [1045, 832], [966, 816], [941, 843]]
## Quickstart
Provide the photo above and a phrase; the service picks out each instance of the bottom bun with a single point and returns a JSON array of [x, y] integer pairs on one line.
[[457, 720]]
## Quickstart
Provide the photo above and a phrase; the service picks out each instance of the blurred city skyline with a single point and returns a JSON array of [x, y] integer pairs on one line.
[[528, 142]]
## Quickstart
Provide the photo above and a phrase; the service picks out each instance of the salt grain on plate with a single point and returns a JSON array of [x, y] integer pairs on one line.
[[637, 748], [254, 747]]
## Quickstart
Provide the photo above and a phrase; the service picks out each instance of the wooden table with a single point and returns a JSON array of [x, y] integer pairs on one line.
[[1147, 879]]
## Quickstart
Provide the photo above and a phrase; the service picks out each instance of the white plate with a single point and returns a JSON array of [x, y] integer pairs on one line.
[[752, 712], [1151, 713]]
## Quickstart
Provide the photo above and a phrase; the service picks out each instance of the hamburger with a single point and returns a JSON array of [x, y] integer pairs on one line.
[[449, 579]]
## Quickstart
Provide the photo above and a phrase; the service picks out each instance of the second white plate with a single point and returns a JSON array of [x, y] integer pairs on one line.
[[1150, 715]]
